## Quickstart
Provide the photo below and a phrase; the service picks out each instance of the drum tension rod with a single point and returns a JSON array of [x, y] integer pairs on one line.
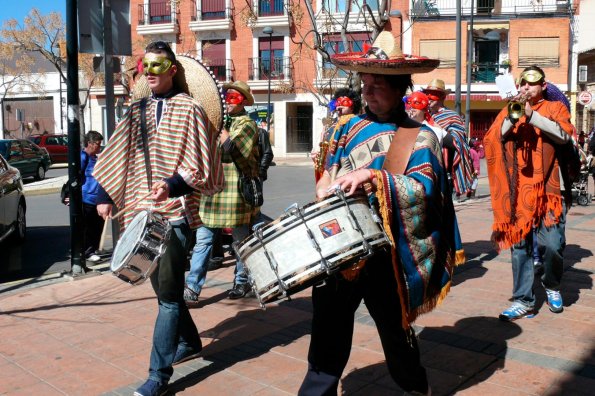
[[271, 259], [294, 210], [367, 247]]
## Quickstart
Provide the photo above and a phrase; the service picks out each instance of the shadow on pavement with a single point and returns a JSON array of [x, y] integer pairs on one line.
[[253, 327], [93, 303], [456, 357], [476, 254], [43, 247], [575, 385]]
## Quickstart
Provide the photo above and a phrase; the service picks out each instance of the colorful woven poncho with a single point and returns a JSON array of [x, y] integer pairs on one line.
[[462, 167], [524, 175], [416, 208], [182, 144]]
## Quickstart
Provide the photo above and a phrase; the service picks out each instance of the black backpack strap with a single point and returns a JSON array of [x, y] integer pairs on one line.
[[143, 132]]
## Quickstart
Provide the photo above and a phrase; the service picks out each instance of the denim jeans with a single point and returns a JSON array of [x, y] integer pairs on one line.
[[174, 326], [551, 242], [201, 253]]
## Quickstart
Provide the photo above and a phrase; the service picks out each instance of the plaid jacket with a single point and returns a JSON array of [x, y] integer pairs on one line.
[[227, 208]]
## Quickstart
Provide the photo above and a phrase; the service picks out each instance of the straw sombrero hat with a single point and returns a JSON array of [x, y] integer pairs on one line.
[[195, 79], [437, 85], [384, 57]]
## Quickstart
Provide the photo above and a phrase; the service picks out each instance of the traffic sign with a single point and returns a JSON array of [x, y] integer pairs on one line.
[[585, 98]]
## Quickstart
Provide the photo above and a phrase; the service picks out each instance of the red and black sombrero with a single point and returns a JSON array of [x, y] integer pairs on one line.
[[384, 57]]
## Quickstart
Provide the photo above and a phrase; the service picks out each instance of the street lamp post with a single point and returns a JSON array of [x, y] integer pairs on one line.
[[269, 30]]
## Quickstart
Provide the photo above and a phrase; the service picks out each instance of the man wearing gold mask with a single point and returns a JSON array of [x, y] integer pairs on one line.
[[525, 186], [166, 145]]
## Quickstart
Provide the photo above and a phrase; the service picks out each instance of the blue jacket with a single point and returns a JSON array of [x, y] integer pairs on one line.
[[90, 185]]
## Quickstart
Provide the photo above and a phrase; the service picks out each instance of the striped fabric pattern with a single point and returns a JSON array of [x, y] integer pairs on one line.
[[462, 167], [227, 208], [183, 144]]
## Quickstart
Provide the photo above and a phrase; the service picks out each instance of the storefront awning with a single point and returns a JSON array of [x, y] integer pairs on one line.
[[479, 26]]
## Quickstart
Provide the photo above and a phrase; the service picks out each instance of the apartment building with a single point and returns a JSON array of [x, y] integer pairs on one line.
[[508, 35], [271, 42], [265, 42]]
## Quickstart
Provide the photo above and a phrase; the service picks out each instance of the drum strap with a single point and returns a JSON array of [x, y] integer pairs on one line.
[[399, 151], [143, 132]]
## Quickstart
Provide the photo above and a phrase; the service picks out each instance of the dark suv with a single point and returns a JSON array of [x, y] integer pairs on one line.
[[26, 156], [56, 145]]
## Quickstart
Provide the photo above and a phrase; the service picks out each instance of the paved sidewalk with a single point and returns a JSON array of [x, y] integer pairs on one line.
[[93, 336]]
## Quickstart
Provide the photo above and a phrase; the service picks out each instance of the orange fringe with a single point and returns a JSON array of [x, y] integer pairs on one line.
[[460, 257]]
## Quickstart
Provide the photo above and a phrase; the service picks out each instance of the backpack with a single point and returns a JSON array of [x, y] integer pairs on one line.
[[569, 161]]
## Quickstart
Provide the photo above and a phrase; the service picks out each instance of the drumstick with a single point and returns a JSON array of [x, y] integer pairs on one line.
[[132, 205], [103, 234]]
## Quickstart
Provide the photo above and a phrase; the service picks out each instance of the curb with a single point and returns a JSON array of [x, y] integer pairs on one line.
[[42, 191]]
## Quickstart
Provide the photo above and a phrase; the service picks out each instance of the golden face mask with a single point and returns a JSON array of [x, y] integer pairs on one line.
[[530, 76], [156, 64]]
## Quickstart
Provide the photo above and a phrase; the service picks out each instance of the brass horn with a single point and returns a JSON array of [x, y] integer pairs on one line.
[[515, 109]]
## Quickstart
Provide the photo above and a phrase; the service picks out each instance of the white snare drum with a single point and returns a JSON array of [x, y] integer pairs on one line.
[[140, 247], [309, 243]]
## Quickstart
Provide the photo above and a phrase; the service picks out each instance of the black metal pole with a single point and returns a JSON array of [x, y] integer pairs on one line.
[[272, 60], [458, 60], [469, 63], [77, 258], [109, 87]]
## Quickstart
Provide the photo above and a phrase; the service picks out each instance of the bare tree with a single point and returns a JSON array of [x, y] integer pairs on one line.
[[45, 34]]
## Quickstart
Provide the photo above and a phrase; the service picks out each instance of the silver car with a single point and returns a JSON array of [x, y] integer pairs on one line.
[[13, 207]]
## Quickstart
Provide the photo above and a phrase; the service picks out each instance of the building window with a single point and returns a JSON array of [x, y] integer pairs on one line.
[[445, 50], [541, 51], [213, 55], [159, 11], [271, 61], [340, 6], [270, 7], [333, 44], [212, 9]]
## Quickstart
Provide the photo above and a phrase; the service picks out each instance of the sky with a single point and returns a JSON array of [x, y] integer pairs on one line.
[[18, 9]]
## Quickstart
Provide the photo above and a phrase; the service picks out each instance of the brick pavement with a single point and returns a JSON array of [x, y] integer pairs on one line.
[[92, 336]]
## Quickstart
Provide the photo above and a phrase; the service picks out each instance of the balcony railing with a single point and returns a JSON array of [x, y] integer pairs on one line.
[[221, 68], [210, 10], [154, 13], [261, 68], [271, 7], [447, 8], [487, 72]]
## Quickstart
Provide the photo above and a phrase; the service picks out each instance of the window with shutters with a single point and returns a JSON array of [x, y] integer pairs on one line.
[[540, 51], [445, 50], [213, 55]]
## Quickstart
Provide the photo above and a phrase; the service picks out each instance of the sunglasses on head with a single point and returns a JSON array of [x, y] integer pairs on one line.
[[156, 65], [344, 101], [234, 98]]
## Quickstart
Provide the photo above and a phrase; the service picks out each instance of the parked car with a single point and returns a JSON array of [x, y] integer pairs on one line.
[[13, 206], [26, 156], [56, 145]]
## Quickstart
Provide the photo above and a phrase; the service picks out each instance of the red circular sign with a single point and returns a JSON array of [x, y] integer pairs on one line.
[[585, 98]]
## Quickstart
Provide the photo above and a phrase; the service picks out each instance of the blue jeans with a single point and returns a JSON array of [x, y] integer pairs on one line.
[[551, 243], [202, 252], [174, 326]]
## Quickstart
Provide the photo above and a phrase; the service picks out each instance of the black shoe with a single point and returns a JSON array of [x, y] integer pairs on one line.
[[239, 291], [215, 263]]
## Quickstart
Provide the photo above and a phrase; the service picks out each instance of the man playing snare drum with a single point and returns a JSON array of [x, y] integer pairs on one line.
[[182, 160], [410, 187]]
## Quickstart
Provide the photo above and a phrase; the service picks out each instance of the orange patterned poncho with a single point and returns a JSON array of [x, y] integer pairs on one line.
[[524, 175]]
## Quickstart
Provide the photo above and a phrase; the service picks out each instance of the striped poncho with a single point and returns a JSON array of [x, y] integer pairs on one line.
[[184, 143], [462, 167], [416, 208]]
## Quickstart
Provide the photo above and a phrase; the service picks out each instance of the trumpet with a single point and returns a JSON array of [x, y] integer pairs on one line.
[[516, 108]]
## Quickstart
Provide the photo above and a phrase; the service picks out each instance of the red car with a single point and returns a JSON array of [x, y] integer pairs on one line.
[[56, 145]]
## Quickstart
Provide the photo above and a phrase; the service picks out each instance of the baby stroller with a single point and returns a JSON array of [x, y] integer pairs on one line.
[[580, 188]]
